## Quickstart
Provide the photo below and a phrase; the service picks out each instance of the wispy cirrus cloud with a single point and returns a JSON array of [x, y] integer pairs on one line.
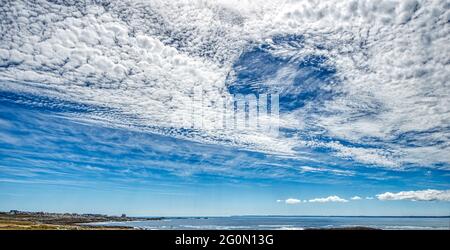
[[307, 169]]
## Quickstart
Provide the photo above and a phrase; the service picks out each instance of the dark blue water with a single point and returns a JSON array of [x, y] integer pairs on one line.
[[289, 223]]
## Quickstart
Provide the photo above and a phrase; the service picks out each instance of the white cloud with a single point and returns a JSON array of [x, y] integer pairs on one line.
[[306, 169], [391, 58], [420, 195], [333, 198], [290, 201], [385, 81], [369, 198], [355, 198], [91, 55]]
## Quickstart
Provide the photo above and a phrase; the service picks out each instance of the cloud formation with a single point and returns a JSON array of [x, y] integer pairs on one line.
[[355, 198], [307, 169], [332, 198], [292, 201], [389, 107], [420, 195]]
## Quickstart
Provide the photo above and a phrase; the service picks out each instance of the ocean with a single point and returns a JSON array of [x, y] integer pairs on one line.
[[287, 223]]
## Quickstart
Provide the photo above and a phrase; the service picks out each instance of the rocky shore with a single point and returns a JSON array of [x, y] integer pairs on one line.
[[22, 220]]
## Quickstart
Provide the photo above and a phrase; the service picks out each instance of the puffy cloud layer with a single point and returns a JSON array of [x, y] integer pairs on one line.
[[393, 79], [420, 195], [142, 58], [127, 56]]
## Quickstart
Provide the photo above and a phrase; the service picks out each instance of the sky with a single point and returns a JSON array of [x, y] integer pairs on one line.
[[93, 98]]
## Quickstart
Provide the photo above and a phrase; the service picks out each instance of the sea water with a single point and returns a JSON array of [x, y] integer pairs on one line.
[[287, 223]]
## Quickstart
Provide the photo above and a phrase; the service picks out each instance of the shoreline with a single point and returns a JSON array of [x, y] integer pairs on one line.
[[20, 220]]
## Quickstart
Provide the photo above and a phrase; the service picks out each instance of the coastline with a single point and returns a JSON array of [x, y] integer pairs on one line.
[[20, 220]]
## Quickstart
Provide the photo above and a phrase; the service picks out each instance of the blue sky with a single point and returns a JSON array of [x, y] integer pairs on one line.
[[52, 162], [93, 105]]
